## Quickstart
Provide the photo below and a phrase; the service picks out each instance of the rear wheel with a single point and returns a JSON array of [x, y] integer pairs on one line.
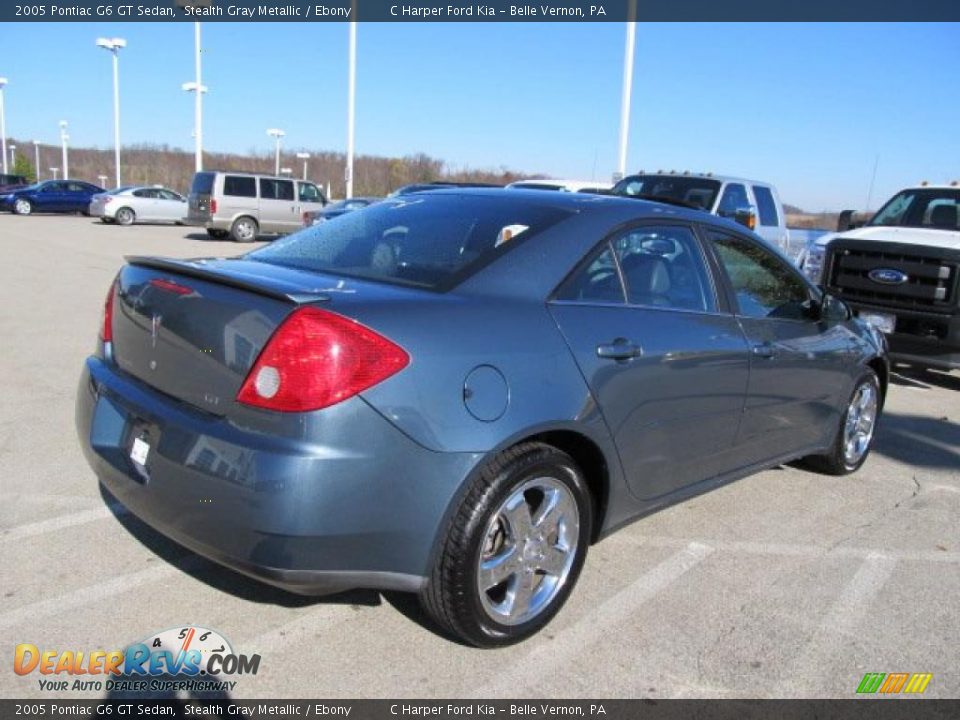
[[244, 230], [125, 216], [23, 206], [514, 549], [217, 234], [855, 435]]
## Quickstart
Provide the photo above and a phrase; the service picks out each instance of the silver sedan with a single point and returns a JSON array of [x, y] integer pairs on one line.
[[132, 204]]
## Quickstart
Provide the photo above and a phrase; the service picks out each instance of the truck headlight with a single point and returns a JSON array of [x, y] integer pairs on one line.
[[813, 263]]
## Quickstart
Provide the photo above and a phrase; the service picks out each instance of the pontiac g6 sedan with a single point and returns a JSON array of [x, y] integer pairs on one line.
[[455, 393]]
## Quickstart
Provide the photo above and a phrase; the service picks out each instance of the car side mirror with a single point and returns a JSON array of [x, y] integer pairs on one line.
[[833, 309], [845, 220], [747, 217]]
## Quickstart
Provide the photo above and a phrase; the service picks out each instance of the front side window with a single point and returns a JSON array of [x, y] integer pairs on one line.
[[734, 198], [310, 193], [765, 285], [766, 206], [239, 186], [271, 189]]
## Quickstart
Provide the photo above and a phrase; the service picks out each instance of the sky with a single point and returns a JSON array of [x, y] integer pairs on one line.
[[812, 108]]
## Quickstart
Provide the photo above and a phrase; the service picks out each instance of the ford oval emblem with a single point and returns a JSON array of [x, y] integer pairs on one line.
[[888, 276]]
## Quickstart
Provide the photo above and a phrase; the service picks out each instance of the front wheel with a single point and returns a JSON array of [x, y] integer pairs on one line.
[[23, 207], [854, 437], [514, 550]]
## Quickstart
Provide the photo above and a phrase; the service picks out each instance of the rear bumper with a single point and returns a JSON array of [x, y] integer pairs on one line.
[[361, 509], [920, 338]]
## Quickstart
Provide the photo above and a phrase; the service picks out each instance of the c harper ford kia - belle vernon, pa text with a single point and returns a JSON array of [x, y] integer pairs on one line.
[[454, 393]]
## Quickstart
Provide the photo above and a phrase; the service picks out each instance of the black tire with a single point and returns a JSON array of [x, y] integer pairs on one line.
[[125, 216], [22, 206], [835, 461], [452, 595], [244, 229], [217, 234], [106, 220]]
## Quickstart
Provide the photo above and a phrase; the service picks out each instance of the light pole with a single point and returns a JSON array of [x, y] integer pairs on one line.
[[54, 170], [36, 157], [63, 147], [304, 156], [199, 88], [13, 157], [351, 102], [627, 90], [114, 45], [3, 125], [276, 134]]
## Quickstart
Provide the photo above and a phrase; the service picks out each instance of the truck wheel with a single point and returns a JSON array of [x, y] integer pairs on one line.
[[854, 436], [514, 549], [23, 207], [244, 230]]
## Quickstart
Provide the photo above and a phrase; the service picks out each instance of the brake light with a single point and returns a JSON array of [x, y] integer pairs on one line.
[[213, 206], [106, 330], [316, 359], [171, 286]]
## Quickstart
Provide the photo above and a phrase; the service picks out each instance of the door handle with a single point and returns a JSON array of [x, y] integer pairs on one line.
[[620, 350], [765, 350]]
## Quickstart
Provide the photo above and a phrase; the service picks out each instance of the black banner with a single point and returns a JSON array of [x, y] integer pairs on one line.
[[487, 11], [890, 709]]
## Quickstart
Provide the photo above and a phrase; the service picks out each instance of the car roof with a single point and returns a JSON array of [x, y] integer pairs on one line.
[[572, 185], [250, 174], [705, 176]]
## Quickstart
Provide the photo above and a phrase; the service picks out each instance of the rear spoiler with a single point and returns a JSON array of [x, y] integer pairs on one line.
[[196, 269]]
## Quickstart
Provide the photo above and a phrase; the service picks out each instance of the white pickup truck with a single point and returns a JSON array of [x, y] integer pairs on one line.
[[751, 203], [901, 272]]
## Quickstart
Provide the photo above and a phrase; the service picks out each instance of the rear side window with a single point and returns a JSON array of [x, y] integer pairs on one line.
[[203, 183], [271, 189], [596, 282], [766, 206], [429, 241], [240, 186]]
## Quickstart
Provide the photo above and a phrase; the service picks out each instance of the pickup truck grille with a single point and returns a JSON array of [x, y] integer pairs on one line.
[[931, 283]]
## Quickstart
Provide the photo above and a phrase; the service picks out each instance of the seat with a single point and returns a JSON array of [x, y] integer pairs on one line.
[[648, 279], [944, 216]]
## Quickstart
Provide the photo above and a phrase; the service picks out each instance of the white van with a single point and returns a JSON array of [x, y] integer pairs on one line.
[[245, 205]]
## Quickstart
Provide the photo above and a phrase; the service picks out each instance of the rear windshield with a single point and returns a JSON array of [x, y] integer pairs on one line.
[[429, 241], [202, 183], [698, 191]]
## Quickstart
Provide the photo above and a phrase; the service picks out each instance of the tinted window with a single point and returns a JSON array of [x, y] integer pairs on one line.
[[239, 186], [168, 195], [697, 191], [766, 206], [203, 183], [598, 281], [923, 207], [310, 193], [276, 189], [143, 193], [734, 198], [765, 285], [79, 187], [431, 241], [663, 267]]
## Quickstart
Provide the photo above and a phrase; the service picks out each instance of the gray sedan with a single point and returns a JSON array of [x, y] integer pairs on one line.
[[138, 203], [455, 393]]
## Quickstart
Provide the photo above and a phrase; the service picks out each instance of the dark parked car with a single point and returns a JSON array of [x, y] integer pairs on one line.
[[12, 182], [51, 196], [437, 185], [337, 209], [456, 396]]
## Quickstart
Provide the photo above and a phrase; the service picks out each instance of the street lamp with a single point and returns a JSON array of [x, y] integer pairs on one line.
[[286, 171], [304, 156], [627, 88], [54, 170], [351, 102], [199, 88], [63, 148], [103, 180], [36, 158], [114, 45], [13, 157], [3, 125], [276, 135]]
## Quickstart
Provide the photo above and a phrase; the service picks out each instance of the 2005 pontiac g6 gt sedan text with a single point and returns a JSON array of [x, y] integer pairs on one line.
[[455, 393]]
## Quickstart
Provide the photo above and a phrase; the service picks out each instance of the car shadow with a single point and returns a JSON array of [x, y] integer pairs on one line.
[[924, 379], [918, 440], [222, 578]]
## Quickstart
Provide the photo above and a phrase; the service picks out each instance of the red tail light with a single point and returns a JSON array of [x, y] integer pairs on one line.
[[106, 331], [316, 359], [171, 286], [213, 206]]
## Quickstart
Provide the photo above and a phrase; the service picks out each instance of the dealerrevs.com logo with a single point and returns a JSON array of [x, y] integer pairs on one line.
[[189, 659]]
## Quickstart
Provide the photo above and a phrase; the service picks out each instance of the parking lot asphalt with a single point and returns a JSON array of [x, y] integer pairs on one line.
[[786, 583]]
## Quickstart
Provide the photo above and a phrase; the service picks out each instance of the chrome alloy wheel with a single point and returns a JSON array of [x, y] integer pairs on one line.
[[860, 422], [528, 550], [22, 207]]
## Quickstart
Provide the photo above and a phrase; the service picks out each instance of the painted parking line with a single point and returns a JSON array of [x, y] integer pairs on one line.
[[569, 643], [59, 523], [846, 612]]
